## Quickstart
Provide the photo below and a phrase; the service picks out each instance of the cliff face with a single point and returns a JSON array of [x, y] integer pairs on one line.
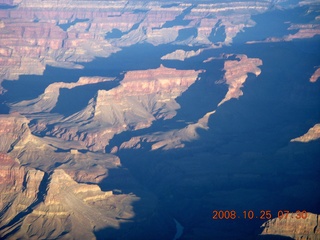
[[37, 206], [36, 33], [236, 74], [305, 229], [19, 187], [48, 100], [72, 210], [312, 134], [44, 192], [141, 98]]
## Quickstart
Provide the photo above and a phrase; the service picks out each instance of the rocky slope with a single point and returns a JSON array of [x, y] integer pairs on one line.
[[312, 134], [48, 100], [141, 98], [45, 191], [294, 227], [236, 75], [34, 205], [36, 33]]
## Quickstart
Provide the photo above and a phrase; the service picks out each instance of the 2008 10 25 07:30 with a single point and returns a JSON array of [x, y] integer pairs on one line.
[[250, 214]]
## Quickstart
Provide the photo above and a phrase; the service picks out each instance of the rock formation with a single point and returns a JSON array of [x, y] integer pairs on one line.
[[170, 139], [55, 201], [181, 55], [236, 74], [141, 98], [305, 229], [315, 76], [67, 209], [48, 100], [312, 134], [37, 33]]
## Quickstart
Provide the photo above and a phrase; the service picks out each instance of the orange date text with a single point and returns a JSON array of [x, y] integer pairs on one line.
[[262, 214]]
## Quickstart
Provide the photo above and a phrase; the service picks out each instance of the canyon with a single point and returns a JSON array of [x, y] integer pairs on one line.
[[119, 119]]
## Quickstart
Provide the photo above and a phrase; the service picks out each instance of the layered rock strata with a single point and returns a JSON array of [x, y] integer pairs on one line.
[[237, 73], [44, 190], [141, 98], [48, 100], [294, 226], [39, 33]]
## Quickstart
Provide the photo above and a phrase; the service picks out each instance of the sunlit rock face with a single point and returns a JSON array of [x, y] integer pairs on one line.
[[13, 130], [54, 203], [236, 75], [294, 225], [66, 209], [312, 134], [141, 98], [36, 33], [48, 100]]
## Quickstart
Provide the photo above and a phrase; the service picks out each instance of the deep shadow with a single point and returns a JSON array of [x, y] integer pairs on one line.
[[218, 33], [186, 33], [179, 20], [73, 100], [7, 6], [22, 214], [65, 26], [150, 221], [137, 57], [245, 161], [274, 24]]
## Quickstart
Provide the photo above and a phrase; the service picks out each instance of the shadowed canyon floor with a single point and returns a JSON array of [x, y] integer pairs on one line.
[[139, 119]]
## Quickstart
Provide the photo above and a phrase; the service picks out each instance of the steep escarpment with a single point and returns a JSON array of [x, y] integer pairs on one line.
[[48, 189], [35, 206], [19, 187], [48, 100], [237, 73], [141, 98], [14, 132], [72, 210], [166, 140], [294, 225], [312, 134], [39, 33]]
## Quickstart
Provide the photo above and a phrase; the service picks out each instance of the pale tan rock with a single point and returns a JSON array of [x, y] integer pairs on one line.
[[295, 225], [315, 76], [141, 98], [312, 134], [236, 74]]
